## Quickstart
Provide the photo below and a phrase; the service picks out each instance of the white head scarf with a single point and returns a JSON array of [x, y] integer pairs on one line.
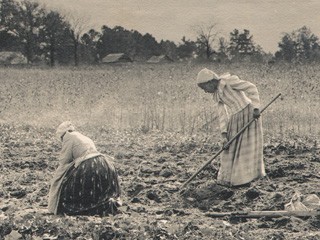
[[63, 128], [206, 75]]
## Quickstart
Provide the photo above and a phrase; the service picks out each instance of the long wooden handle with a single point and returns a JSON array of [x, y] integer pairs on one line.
[[228, 143], [258, 214]]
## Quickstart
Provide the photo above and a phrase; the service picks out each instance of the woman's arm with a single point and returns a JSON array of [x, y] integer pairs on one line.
[[66, 155], [223, 117]]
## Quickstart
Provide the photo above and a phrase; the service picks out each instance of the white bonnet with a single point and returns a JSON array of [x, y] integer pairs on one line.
[[206, 75], [63, 128]]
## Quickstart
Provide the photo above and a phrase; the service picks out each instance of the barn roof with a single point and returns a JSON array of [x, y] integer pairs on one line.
[[160, 59], [12, 58], [116, 57]]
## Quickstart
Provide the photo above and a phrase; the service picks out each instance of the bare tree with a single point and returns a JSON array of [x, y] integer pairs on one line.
[[223, 49], [78, 25], [206, 35]]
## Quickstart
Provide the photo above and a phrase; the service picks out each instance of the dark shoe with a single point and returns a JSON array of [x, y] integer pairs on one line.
[[223, 183], [246, 185]]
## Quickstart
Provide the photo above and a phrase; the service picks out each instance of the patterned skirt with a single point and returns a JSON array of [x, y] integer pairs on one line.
[[92, 188], [243, 161]]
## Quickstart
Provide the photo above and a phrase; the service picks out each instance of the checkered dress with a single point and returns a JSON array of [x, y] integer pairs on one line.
[[243, 161]]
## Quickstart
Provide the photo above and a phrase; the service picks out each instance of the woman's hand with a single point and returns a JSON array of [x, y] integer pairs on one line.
[[224, 139], [256, 113]]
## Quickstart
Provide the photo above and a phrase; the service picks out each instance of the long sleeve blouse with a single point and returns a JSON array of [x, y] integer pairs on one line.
[[232, 96], [76, 147]]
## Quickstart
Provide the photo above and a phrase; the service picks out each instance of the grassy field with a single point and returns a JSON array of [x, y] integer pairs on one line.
[[154, 97]]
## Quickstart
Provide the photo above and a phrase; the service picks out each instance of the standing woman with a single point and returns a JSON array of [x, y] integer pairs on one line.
[[238, 102], [85, 182]]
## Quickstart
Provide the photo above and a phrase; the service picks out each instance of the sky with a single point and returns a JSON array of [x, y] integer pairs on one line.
[[266, 20]]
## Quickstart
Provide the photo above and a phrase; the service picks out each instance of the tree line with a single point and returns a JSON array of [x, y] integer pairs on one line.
[[51, 36]]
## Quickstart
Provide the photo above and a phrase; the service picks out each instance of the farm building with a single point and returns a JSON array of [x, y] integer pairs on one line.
[[160, 59], [116, 58], [12, 58]]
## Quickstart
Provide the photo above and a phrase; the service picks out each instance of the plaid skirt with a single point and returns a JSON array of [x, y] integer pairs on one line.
[[243, 162], [92, 188]]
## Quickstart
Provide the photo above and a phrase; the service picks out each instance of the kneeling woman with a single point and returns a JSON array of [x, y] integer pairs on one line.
[[85, 182]]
